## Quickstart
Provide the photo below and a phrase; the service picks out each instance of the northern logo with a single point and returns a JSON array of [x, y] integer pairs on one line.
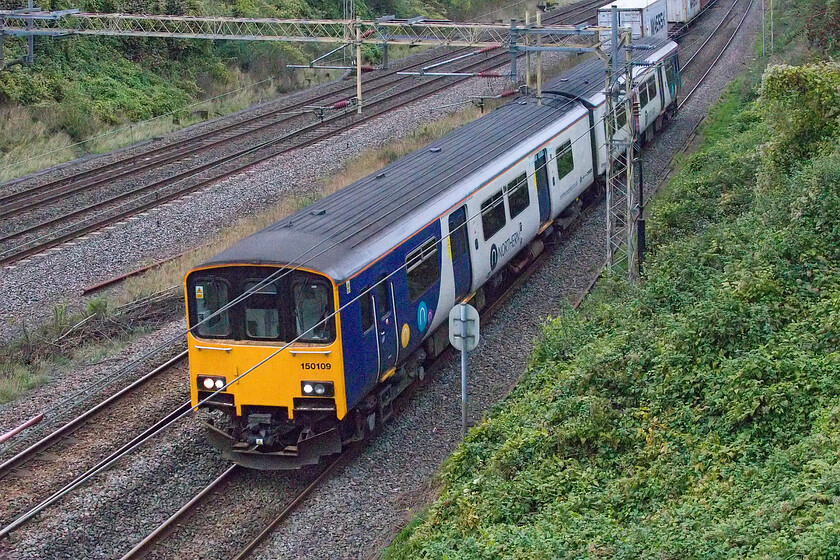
[[494, 257], [497, 253]]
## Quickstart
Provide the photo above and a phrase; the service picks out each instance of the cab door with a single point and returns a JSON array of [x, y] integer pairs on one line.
[[386, 338], [459, 251], [541, 176]]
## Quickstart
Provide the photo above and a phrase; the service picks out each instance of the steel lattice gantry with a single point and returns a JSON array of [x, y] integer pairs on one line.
[[415, 31]]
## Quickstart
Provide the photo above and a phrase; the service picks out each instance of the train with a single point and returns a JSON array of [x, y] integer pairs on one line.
[[303, 334], [652, 18]]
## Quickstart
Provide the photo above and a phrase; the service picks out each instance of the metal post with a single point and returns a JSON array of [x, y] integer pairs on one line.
[[612, 71], [513, 50], [763, 29], [358, 66], [614, 41], [771, 27], [464, 370], [527, 53], [385, 55], [30, 41], [640, 230], [539, 62], [632, 209], [2, 38]]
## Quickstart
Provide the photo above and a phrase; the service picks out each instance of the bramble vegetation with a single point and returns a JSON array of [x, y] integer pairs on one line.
[[697, 415]]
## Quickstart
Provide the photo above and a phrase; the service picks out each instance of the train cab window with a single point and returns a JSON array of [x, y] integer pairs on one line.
[[518, 198], [565, 159], [643, 95], [209, 296], [651, 86], [493, 215], [262, 312], [313, 322], [422, 268]]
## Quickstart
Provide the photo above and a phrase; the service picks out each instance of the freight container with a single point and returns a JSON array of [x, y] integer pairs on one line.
[[646, 18], [683, 11]]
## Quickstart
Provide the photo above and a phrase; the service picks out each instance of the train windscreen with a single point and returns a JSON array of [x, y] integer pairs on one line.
[[270, 305]]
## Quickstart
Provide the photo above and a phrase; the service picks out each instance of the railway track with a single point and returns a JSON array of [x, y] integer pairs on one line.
[[40, 226], [23, 474]]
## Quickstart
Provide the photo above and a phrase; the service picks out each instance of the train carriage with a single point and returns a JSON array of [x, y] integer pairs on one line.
[[342, 305]]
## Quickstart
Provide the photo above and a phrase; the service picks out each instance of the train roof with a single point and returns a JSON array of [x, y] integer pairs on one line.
[[341, 234], [590, 76]]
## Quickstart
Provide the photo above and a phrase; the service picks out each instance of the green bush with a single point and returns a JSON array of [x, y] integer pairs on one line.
[[695, 416]]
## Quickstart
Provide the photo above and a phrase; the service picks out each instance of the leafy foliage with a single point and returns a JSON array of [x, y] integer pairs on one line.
[[696, 416]]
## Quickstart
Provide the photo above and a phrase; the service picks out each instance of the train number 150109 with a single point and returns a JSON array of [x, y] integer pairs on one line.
[[308, 365]]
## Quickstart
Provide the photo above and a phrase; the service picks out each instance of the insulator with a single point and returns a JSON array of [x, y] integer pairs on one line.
[[368, 33], [488, 49], [507, 93], [489, 75], [368, 68], [341, 104]]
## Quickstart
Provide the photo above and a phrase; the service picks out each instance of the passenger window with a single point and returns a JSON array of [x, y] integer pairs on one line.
[[493, 215], [366, 301], [262, 315], [669, 73], [518, 198], [422, 268], [620, 115], [210, 296], [312, 314], [458, 235], [565, 159]]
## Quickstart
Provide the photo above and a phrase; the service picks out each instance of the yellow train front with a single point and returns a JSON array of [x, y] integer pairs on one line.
[[285, 411]]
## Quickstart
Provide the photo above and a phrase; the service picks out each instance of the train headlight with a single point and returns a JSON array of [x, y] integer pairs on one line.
[[211, 383], [317, 388]]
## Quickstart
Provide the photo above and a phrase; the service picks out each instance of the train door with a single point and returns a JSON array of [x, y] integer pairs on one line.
[[459, 250], [385, 325], [541, 175]]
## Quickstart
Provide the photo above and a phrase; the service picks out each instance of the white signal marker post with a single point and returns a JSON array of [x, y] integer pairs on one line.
[[463, 335]]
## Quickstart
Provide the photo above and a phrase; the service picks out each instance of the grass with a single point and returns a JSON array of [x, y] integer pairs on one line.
[[27, 131]]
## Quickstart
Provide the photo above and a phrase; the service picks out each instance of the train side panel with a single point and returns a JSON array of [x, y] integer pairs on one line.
[[389, 308]]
